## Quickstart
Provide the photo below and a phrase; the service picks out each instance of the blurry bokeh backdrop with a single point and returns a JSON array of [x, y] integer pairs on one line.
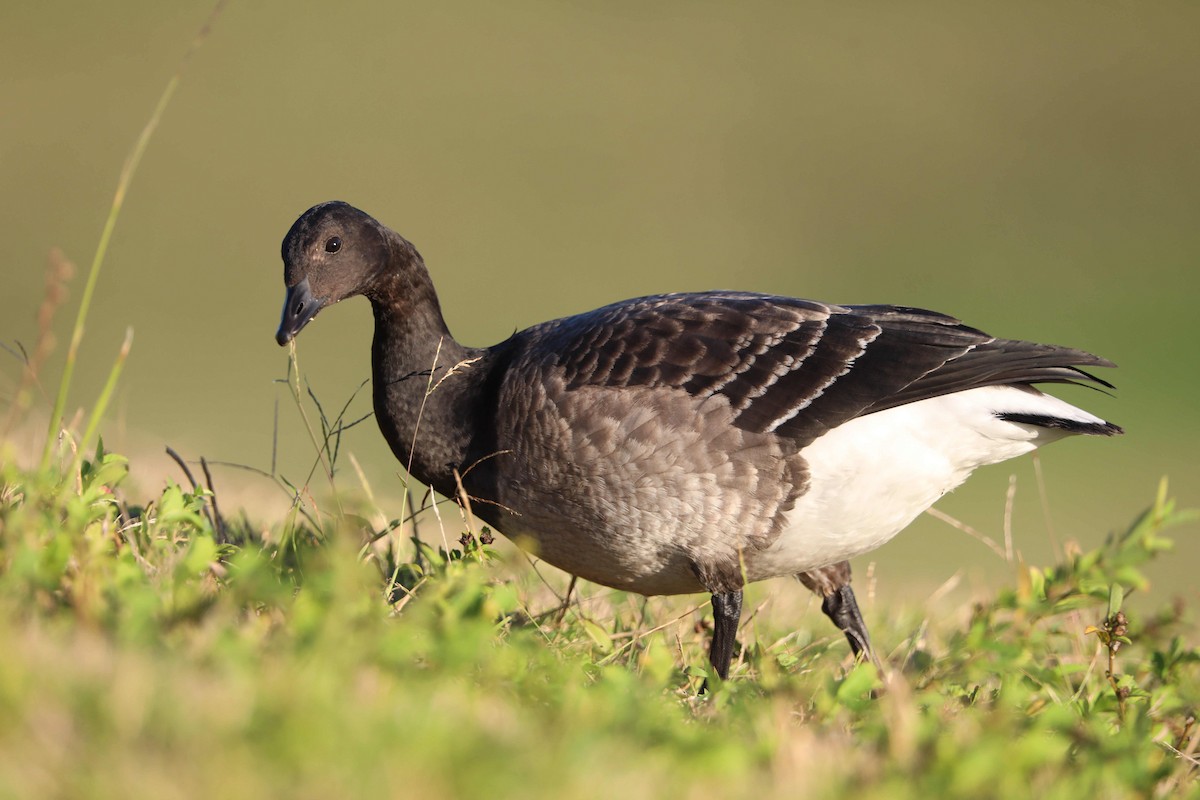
[[1031, 168]]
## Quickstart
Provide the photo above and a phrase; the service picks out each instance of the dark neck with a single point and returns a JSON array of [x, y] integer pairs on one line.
[[427, 386]]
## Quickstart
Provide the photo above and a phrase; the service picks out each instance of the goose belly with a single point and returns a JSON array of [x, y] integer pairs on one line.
[[872, 476]]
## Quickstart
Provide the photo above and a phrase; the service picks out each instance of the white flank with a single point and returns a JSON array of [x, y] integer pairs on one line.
[[873, 475]]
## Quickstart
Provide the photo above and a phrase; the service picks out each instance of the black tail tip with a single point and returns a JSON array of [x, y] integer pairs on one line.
[[1062, 424]]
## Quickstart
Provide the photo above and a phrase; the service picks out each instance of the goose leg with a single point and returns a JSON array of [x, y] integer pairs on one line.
[[832, 583], [842, 608], [727, 612]]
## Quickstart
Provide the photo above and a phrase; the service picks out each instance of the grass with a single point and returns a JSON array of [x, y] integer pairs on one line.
[[154, 647], [155, 651]]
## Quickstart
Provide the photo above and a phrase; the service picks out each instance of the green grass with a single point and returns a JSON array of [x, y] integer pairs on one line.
[[153, 650]]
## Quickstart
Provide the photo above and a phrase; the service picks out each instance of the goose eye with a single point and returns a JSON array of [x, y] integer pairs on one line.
[[333, 244]]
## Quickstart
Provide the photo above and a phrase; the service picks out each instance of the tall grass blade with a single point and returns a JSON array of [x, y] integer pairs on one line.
[[114, 211], [105, 395]]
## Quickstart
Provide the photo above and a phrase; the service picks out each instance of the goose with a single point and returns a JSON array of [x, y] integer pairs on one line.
[[690, 442]]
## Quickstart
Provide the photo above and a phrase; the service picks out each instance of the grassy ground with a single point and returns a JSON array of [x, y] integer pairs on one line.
[[155, 649]]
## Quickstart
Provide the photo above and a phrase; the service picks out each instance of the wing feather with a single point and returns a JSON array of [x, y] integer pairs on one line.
[[795, 367]]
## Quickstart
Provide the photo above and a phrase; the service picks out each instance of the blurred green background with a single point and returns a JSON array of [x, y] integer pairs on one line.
[[1031, 168]]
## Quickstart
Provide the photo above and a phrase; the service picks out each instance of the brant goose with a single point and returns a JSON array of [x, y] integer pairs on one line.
[[688, 442]]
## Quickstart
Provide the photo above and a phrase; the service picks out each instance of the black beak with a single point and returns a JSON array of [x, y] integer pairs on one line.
[[298, 309]]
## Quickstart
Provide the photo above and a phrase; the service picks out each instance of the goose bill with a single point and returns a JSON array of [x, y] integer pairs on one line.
[[299, 308]]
